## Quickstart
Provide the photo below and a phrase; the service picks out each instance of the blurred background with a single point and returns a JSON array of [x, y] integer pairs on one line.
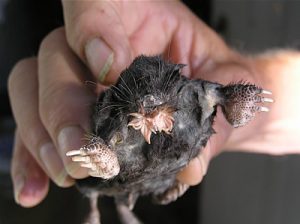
[[239, 188]]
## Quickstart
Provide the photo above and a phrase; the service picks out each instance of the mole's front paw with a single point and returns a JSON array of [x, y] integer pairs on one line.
[[242, 101], [98, 157]]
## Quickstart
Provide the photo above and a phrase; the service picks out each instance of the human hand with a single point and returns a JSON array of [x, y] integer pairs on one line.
[[54, 84], [49, 97]]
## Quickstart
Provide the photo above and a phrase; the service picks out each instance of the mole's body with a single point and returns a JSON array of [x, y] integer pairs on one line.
[[149, 126]]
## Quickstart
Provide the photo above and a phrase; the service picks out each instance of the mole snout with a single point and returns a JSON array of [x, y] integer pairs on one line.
[[150, 101]]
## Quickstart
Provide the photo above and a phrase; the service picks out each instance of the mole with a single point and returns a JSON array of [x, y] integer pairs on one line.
[[148, 126]]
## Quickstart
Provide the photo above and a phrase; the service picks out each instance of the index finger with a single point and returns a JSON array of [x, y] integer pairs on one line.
[[64, 99]]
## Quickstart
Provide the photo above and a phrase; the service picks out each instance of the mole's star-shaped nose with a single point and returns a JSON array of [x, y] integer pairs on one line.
[[158, 120]]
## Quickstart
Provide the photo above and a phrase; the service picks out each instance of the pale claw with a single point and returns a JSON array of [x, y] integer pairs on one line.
[[264, 109], [74, 152], [85, 159], [99, 158], [267, 100], [266, 92]]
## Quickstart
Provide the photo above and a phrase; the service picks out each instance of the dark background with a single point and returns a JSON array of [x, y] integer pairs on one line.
[[239, 188]]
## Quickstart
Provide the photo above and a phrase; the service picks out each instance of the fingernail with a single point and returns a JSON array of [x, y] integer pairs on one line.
[[70, 138], [54, 165], [19, 182], [99, 57]]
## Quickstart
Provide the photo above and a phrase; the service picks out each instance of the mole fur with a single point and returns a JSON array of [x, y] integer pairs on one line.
[[150, 168]]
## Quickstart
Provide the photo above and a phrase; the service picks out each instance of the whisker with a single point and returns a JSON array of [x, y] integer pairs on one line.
[[126, 85], [109, 106], [121, 98], [136, 87], [126, 90], [114, 88], [168, 81]]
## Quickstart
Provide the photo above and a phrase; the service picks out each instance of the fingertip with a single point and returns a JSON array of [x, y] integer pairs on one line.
[[33, 191], [97, 35], [54, 165], [192, 174], [30, 182], [70, 138], [99, 57], [106, 63], [64, 180]]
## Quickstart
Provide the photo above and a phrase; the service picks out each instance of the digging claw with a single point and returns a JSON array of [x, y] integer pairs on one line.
[[85, 159], [74, 152], [267, 100], [266, 92], [100, 159], [264, 109]]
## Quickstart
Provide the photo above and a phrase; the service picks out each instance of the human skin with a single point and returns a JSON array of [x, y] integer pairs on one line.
[[50, 96]]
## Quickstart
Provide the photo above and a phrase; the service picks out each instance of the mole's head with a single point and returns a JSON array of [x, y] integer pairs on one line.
[[146, 95]]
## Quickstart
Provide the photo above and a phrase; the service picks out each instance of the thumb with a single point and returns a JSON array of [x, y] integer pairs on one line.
[[194, 172], [95, 32]]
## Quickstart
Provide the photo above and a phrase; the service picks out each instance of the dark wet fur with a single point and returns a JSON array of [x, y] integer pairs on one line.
[[151, 168]]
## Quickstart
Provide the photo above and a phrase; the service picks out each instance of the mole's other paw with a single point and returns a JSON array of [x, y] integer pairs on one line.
[[98, 157], [241, 101], [171, 194]]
